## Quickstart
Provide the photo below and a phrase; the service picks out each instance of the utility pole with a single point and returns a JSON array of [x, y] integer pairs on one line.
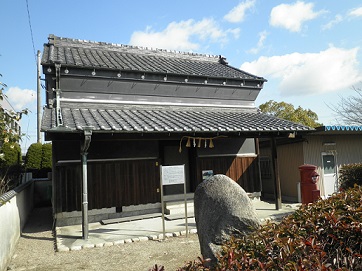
[[38, 97]]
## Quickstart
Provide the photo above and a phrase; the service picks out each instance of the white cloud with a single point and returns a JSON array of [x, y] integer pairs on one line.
[[234, 31], [356, 12], [311, 73], [184, 35], [237, 14], [21, 98], [337, 19], [260, 44], [292, 16]]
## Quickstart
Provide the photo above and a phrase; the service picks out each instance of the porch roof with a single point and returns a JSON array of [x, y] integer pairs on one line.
[[151, 119]]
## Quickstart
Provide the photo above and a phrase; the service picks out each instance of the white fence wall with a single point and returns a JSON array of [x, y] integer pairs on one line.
[[15, 207]]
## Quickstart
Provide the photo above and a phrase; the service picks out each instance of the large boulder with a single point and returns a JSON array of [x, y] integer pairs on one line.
[[222, 209]]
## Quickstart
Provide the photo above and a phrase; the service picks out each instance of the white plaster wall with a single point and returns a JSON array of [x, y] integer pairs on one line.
[[13, 216]]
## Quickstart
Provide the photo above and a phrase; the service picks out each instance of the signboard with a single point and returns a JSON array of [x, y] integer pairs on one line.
[[173, 175]]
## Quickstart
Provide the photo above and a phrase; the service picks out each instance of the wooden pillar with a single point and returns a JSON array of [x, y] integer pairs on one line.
[[257, 151], [277, 189]]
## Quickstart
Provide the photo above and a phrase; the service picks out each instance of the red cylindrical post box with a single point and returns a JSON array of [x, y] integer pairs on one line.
[[308, 183]]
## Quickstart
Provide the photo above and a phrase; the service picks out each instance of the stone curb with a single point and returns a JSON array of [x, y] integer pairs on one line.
[[62, 248]]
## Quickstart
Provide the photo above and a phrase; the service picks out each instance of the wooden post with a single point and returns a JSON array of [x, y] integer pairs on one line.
[[257, 151], [162, 205], [277, 189]]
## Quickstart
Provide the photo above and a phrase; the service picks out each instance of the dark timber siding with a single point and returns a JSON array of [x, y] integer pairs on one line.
[[133, 182], [243, 170], [129, 172], [110, 184]]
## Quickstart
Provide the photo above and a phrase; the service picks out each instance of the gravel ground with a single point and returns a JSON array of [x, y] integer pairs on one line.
[[36, 251]]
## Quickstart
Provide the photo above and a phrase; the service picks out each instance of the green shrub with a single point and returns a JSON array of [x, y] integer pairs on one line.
[[34, 156], [12, 154], [10, 166], [325, 235], [39, 159], [349, 175], [46, 162]]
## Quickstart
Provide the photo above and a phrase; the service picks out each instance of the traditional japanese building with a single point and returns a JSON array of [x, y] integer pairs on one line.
[[119, 112]]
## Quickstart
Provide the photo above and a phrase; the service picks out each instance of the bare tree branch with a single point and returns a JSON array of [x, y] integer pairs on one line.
[[349, 109]]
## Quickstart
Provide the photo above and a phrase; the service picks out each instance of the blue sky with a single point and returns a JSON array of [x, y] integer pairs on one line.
[[309, 51]]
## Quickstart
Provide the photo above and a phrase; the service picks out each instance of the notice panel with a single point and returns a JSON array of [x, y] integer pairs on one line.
[[173, 175]]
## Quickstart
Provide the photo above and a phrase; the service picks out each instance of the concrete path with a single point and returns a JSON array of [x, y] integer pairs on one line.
[[69, 238]]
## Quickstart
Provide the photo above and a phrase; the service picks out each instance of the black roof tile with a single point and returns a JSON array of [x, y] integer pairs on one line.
[[85, 54], [155, 119]]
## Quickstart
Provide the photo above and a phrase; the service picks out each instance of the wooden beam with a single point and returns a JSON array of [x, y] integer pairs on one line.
[[277, 189]]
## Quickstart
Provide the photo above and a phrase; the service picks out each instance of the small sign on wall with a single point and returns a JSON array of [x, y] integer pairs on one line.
[[207, 174]]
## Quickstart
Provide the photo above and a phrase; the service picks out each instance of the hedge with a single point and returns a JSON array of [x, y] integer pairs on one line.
[[46, 161], [39, 159], [325, 235], [34, 156], [349, 175]]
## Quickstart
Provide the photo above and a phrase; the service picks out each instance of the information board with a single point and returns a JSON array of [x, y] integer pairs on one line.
[[173, 175]]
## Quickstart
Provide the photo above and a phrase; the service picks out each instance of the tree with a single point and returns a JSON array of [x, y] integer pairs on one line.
[[39, 159], [34, 156], [287, 111], [46, 159], [7, 117], [10, 168], [11, 154], [349, 109]]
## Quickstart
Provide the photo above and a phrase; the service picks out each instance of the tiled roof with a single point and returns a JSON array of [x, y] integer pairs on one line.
[[86, 54], [165, 119]]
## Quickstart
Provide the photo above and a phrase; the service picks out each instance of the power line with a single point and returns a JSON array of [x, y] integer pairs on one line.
[[7, 100], [31, 29]]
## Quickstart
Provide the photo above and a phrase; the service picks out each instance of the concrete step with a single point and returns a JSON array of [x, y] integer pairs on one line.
[[179, 216], [130, 218], [172, 208]]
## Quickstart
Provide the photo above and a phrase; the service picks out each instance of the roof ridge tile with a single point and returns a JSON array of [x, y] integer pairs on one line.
[[109, 56], [62, 41]]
